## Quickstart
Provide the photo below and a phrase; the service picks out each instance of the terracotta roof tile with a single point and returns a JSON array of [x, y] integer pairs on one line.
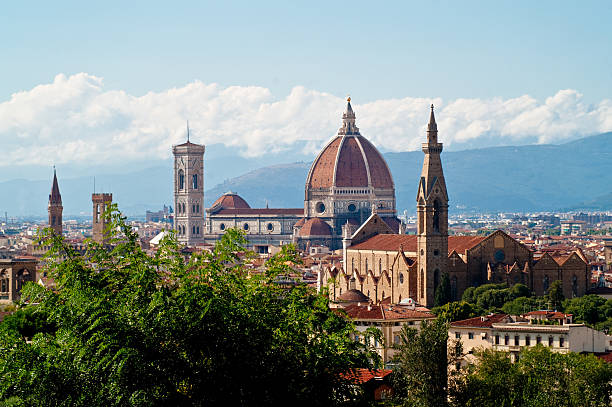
[[481, 322], [362, 376]]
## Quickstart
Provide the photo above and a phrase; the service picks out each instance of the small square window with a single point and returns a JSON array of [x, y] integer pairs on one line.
[[471, 335], [457, 335]]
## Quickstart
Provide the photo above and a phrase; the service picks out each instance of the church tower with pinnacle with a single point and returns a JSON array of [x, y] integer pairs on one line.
[[55, 207], [189, 192], [432, 218]]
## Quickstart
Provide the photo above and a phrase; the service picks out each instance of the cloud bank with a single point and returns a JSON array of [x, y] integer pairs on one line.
[[74, 119]]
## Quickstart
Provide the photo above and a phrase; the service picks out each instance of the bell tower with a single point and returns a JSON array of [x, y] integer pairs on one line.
[[189, 192], [55, 207], [432, 218]]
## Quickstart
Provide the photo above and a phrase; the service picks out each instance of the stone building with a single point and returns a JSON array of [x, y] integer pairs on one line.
[[346, 181], [189, 192], [55, 208], [264, 227], [14, 273], [98, 228], [394, 267]]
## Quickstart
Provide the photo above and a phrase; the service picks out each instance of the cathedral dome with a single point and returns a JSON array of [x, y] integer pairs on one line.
[[353, 295], [230, 200], [349, 160], [315, 227]]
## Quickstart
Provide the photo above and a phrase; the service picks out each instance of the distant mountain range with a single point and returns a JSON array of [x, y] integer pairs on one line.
[[575, 175]]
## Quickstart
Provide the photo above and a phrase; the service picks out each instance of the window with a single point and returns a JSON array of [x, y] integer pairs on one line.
[[550, 341], [516, 340], [320, 207], [270, 227], [396, 339], [436, 252], [561, 342], [506, 340], [97, 213], [198, 208], [538, 340], [422, 284], [366, 265], [401, 278], [357, 338], [245, 226], [436, 216], [457, 335], [198, 230], [497, 339], [380, 265], [193, 208], [222, 226], [181, 179], [352, 264], [195, 181], [352, 208], [193, 230], [470, 335], [527, 340]]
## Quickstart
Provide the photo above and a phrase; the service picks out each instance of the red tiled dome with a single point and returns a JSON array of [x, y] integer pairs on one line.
[[315, 227], [230, 200], [349, 160]]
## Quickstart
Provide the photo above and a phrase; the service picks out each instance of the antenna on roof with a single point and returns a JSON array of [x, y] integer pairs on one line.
[[188, 131], [94, 184]]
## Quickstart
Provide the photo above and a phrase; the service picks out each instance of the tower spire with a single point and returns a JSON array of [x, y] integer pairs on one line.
[[432, 127], [55, 207], [348, 120]]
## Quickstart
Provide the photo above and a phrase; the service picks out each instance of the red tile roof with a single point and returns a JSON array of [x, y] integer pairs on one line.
[[385, 312], [263, 211], [481, 322], [361, 376], [392, 242]]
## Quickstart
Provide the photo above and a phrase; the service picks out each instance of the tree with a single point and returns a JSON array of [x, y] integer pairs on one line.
[[421, 372], [139, 330], [589, 309], [456, 311], [443, 291], [540, 377], [555, 294]]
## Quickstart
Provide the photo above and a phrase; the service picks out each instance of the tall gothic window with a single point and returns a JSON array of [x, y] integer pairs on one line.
[[422, 284], [436, 216], [380, 266], [366, 265], [546, 283], [195, 181], [436, 280], [181, 179], [575, 286]]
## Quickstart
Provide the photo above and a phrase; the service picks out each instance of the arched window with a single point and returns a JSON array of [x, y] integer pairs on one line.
[[195, 181], [422, 283], [380, 266], [97, 213], [181, 179], [366, 264], [353, 265], [436, 216], [198, 208], [454, 288], [575, 286], [197, 230], [193, 230], [270, 227], [245, 226], [53, 220], [436, 280], [193, 208], [222, 226], [546, 283], [401, 278]]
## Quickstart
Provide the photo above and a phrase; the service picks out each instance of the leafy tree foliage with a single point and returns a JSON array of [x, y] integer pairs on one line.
[[443, 291], [421, 373], [456, 311], [128, 329], [492, 297], [539, 378], [590, 309]]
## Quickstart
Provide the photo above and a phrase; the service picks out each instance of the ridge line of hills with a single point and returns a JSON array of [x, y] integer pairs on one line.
[[570, 176]]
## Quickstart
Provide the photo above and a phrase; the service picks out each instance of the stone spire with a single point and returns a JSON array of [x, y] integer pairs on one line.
[[348, 121], [55, 197], [432, 128], [55, 207]]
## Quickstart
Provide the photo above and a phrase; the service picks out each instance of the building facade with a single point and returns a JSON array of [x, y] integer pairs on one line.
[[100, 201], [14, 273], [189, 192]]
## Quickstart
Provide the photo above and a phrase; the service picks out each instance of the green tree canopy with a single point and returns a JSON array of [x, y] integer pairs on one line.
[[128, 329], [555, 295], [443, 291], [456, 311], [539, 378]]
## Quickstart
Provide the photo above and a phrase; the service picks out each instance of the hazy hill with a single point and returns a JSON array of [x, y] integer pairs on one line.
[[536, 177]]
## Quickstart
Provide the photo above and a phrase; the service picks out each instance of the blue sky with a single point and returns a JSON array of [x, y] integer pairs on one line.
[[373, 50], [85, 83]]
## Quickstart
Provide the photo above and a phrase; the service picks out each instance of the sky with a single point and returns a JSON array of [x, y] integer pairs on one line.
[[84, 82]]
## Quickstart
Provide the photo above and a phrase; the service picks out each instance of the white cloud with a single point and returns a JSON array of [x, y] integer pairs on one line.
[[75, 119]]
